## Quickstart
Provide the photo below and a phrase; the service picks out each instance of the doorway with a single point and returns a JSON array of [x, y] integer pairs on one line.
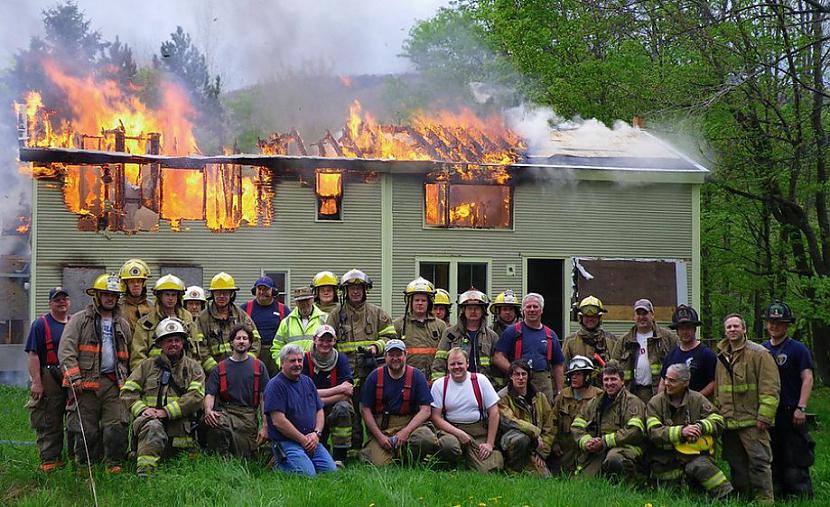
[[546, 277]]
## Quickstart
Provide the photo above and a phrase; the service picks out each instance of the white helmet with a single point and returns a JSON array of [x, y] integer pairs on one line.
[[195, 293], [168, 327]]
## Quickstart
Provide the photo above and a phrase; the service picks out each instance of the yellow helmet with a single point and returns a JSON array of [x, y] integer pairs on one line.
[[506, 298], [703, 445], [194, 293], [324, 278], [420, 285], [442, 297], [169, 282], [134, 269], [222, 281], [591, 306], [108, 282]]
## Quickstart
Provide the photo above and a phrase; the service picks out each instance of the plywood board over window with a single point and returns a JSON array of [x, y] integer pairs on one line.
[[621, 282]]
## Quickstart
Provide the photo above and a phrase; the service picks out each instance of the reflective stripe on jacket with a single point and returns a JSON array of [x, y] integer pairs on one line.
[[747, 391]]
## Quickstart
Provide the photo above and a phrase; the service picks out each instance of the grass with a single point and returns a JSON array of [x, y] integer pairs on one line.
[[206, 480]]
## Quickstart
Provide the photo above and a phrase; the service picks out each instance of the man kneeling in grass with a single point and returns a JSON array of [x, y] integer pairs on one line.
[[295, 417]]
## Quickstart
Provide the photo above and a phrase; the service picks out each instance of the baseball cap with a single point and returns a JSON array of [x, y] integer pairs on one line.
[[644, 304], [263, 280], [395, 344], [324, 329], [57, 291], [301, 293]]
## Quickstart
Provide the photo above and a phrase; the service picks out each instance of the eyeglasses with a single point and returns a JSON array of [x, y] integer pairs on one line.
[[519, 374]]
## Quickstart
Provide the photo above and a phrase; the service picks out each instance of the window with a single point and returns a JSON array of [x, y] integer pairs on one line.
[[463, 205], [329, 189], [456, 276], [280, 280], [76, 280]]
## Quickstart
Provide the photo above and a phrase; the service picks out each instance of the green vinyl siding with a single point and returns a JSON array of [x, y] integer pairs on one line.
[[295, 242]]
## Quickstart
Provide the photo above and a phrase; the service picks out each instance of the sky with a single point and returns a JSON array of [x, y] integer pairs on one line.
[[246, 41]]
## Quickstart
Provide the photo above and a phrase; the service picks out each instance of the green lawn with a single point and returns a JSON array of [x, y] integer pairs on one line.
[[212, 481]]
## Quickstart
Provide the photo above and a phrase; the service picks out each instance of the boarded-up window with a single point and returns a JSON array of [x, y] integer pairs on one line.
[[619, 283], [462, 205], [76, 280], [190, 275]]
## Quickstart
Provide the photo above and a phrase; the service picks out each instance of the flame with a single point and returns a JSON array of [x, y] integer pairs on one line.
[[467, 205], [345, 81], [329, 185]]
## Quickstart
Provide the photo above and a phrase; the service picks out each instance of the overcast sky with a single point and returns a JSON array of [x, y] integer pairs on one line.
[[247, 41]]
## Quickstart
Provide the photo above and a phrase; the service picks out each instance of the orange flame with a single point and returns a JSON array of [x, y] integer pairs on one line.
[[329, 189]]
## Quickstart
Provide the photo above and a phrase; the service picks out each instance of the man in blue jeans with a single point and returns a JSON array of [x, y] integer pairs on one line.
[[295, 418]]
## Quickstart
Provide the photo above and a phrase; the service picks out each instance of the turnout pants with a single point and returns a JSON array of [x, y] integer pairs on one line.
[[565, 462], [749, 455], [104, 419], [615, 462], [339, 422], [451, 451], [792, 456], [157, 440], [47, 416], [422, 442], [268, 360], [543, 383], [518, 447], [669, 467], [236, 432]]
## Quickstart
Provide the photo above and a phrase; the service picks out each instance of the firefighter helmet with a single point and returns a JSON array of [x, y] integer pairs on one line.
[[195, 293], [134, 269], [591, 306], [169, 282], [442, 297], [222, 281], [420, 285], [780, 312], [324, 278], [355, 276], [704, 444], [171, 326], [107, 282], [580, 363], [684, 314], [506, 298], [473, 297]]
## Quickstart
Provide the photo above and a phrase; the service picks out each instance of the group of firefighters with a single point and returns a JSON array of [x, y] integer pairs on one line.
[[334, 379]]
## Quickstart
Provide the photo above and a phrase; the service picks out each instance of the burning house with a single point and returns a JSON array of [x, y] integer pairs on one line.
[[456, 198]]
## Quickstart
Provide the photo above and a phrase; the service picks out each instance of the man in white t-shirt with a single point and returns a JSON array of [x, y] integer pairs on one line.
[[465, 411]]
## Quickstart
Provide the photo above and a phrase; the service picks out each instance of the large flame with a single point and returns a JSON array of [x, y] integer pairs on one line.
[[329, 188]]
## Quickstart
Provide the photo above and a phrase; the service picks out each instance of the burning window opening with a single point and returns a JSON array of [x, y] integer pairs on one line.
[[476, 206], [329, 190]]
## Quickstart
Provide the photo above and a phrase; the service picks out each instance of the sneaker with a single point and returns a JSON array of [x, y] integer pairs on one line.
[[115, 469], [339, 464], [50, 467]]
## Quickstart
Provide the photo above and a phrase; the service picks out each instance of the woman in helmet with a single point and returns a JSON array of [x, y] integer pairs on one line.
[[168, 291], [442, 307], [134, 273], [565, 408], [324, 284], [418, 328]]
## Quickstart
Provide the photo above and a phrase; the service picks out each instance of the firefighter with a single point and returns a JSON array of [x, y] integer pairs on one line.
[[684, 426], [471, 334], [163, 394], [641, 351], [299, 326], [267, 314], [216, 321], [610, 429], [134, 273], [168, 291], [566, 407], [591, 340], [537, 344], [94, 354], [507, 310], [792, 445], [690, 351], [442, 306], [418, 328], [195, 301], [526, 423], [331, 373], [233, 395], [47, 399], [324, 284], [362, 330], [746, 394], [395, 409]]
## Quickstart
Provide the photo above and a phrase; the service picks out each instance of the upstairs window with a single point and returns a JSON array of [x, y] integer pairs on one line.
[[329, 190], [465, 205]]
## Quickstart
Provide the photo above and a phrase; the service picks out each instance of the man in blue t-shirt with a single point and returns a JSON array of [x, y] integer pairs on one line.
[[539, 348], [792, 446], [331, 373], [47, 399], [700, 359], [295, 417], [395, 404], [267, 313]]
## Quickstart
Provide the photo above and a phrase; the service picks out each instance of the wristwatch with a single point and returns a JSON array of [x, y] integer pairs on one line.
[[319, 434]]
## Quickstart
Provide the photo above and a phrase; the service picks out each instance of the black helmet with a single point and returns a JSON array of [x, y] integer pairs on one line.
[[684, 314], [780, 312]]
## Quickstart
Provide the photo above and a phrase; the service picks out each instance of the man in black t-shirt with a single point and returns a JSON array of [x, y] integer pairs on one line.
[[700, 359]]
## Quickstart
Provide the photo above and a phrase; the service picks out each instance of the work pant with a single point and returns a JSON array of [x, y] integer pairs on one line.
[[563, 462], [543, 383], [618, 462], [645, 393], [291, 458], [792, 456], [749, 455], [104, 420], [47, 416], [268, 360], [158, 439], [236, 432], [357, 422], [421, 443], [451, 451], [671, 467], [518, 447], [339, 417]]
